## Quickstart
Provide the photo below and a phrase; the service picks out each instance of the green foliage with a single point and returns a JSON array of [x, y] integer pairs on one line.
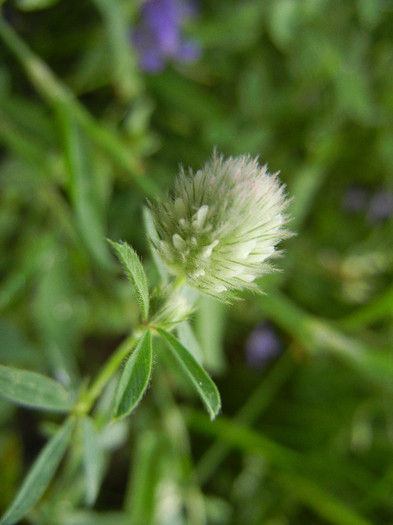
[[86, 137], [201, 381], [93, 457], [39, 475], [83, 186], [135, 272], [34, 390], [146, 477], [134, 378], [32, 5]]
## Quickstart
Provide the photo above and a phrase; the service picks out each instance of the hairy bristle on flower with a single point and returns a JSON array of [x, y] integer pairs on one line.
[[222, 224]]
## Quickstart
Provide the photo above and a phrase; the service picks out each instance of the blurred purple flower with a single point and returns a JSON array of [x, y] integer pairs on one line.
[[376, 208], [355, 199], [381, 206], [262, 345], [158, 38]]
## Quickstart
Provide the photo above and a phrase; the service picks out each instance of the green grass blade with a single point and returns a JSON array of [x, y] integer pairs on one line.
[[55, 93], [374, 311], [199, 378], [304, 188], [316, 334], [16, 139], [324, 504], [82, 188], [140, 498], [93, 459], [289, 463], [39, 475], [33, 390], [124, 69], [254, 407]]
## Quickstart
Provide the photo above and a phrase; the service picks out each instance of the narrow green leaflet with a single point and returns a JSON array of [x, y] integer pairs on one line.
[[135, 272], [134, 378], [187, 338], [34, 390], [93, 459], [39, 475], [150, 453], [202, 382]]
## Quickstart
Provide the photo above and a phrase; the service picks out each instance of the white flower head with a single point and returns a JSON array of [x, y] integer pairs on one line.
[[221, 225]]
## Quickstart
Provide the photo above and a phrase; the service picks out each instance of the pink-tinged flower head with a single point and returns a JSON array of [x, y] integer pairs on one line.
[[221, 225]]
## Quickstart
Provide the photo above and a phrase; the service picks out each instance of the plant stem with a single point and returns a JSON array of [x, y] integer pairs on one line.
[[87, 400], [106, 372]]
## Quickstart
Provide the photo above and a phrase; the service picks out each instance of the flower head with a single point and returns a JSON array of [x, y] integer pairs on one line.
[[158, 38], [221, 225]]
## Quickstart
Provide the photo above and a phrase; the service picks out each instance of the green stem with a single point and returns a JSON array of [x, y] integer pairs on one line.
[[178, 282], [87, 400], [106, 373], [370, 312]]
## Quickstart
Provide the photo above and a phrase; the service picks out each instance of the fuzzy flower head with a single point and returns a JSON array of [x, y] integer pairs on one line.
[[221, 225]]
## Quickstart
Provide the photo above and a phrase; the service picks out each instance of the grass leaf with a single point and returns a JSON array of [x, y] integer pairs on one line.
[[93, 459], [82, 188]]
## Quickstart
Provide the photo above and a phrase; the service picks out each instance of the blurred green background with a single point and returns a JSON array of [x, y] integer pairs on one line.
[[306, 435]]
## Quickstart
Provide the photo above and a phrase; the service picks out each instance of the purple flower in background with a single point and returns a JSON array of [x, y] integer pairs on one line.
[[355, 199], [158, 38], [262, 345], [377, 207], [381, 206]]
